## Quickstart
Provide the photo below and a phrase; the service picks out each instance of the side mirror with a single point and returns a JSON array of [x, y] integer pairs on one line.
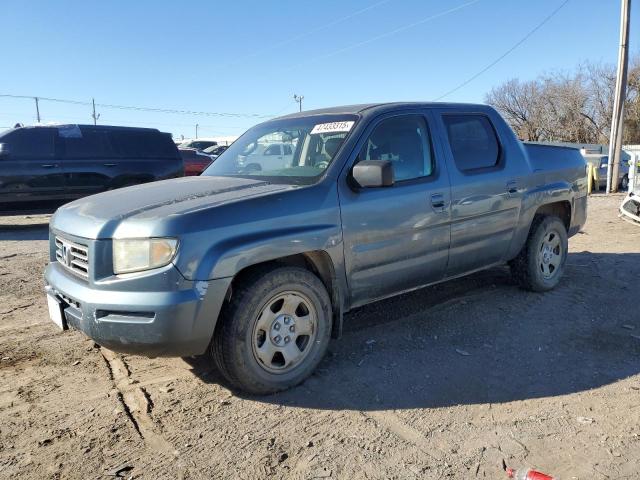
[[373, 173], [4, 150]]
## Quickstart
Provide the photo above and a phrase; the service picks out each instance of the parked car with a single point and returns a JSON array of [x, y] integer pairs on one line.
[[258, 267], [194, 161], [266, 156], [215, 151], [601, 163], [198, 144], [42, 167]]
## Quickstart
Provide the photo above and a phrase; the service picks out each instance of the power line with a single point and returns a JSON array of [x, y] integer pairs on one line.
[[516, 45], [386, 34], [142, 109], [311, 32], [288, 107], [74, 119]]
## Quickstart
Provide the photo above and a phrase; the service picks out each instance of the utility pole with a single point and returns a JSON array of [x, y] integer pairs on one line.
[[94, 116], [298, 98], [617, 119], [37, 109], [196, 130]]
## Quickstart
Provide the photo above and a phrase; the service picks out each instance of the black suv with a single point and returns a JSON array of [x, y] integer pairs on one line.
[[42, 167]]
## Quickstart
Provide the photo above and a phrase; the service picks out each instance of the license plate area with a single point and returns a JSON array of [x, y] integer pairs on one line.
[[56, 313]]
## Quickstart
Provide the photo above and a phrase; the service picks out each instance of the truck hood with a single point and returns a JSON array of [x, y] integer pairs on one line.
[[125, 212]]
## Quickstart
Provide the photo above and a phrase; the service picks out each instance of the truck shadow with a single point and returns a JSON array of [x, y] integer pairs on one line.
[[31, 231], [24, 227], [480, 339]]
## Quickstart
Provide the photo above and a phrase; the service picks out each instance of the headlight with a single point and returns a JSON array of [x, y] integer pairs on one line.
[[137, 254]]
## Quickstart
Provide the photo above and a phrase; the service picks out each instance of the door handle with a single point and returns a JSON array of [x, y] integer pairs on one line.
[[49, 165], [512, 187], [437, 202], [109, 164]]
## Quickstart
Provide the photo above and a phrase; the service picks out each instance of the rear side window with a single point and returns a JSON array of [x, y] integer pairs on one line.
[[90, 143], [136, 144], [31, 143], [473, 141], [405, 142]]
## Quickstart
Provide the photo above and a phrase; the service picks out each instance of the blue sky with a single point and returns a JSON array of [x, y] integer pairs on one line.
[[251, 56]]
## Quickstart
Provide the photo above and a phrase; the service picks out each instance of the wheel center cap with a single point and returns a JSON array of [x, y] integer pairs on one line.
[[283, 330]]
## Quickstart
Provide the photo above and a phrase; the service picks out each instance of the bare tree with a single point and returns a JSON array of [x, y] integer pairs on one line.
[[632, 104], [574, 107], [519, 102]]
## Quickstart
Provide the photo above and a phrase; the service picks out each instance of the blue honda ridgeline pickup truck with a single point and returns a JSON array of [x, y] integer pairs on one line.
[[256, 261]]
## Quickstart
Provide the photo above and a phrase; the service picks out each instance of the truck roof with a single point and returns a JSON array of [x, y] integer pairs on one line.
[[81, 125], [377, 108]]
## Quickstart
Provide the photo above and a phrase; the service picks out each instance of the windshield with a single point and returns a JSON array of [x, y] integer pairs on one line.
[[296, 150]]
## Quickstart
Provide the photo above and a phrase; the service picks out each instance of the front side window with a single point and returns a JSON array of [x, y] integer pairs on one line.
[[296, 150], [405, 142], [473, 141]]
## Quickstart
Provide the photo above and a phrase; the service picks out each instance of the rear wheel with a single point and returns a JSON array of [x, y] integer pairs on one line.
[[540, 264], [274, 331], [624, 183]]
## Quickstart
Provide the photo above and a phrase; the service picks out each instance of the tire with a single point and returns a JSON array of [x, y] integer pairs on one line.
[[274, 331], [624, 183], [541, 262]]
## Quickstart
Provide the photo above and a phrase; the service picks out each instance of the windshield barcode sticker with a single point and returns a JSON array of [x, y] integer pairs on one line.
[[332, 127]]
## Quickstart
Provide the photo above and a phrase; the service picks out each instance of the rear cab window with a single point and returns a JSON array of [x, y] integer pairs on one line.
[[473, 141]]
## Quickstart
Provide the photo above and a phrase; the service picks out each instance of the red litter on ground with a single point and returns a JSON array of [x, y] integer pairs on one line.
[[527, 474]]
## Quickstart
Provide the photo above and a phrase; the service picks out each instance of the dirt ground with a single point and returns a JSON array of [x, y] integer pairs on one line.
[[445, 382]]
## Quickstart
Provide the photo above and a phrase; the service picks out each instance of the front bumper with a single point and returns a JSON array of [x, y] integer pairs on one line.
[[178, 322]]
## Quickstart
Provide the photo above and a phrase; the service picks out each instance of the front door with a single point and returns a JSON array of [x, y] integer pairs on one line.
[[396, 238]]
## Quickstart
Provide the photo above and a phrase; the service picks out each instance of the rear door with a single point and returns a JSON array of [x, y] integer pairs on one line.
[[88, 159], [30, 172], [396, 238], [485, 191]]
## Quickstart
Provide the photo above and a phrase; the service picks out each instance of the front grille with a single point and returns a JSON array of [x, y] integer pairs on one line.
[[70, 301], [73, 256]]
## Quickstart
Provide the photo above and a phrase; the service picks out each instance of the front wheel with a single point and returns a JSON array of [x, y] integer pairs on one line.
[[274, 331], [540, 264]]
